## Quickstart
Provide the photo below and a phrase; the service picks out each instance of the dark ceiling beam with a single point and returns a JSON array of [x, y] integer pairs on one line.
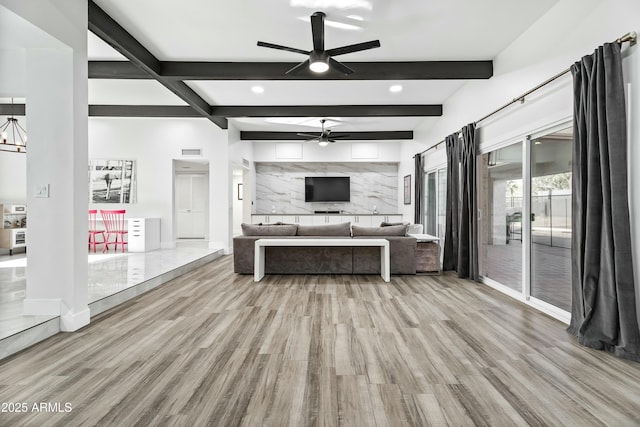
[[251, 110], [327, 110], [407, 70], [116, 70], [105, 27], [352, 136], [142, 111], [12, 109]]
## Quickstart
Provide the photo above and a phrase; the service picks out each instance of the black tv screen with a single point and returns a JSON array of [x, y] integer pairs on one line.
[[327, 189]]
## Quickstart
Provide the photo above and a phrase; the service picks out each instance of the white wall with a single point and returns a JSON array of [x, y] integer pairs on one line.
[[345, 151], [570, 30], [154, 143], [237, 206], [53, 35]]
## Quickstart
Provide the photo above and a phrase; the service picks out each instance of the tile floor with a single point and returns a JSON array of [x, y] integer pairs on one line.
[[109, 274]]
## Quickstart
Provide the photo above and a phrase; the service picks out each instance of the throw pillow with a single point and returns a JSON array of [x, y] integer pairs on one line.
[[268, 230], [414, 229], [343, 229], [390, 224], [391, 230]]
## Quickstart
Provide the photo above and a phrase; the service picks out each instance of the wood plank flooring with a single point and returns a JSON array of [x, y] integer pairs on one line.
[[215, 348]]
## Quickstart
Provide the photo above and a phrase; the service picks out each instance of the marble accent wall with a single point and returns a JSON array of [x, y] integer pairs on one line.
[[281, 185]]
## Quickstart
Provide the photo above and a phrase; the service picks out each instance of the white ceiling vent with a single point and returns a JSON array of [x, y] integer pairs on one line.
[[246, 163], [191, 152]]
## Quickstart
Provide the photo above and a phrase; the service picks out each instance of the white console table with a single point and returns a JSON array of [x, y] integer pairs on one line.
[[261, 244], [144, 234]]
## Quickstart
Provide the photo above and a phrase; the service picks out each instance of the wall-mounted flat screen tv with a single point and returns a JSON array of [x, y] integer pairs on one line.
[[327, 189]]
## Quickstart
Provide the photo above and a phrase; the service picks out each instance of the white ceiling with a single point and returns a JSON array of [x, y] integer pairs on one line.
[[217, 30]]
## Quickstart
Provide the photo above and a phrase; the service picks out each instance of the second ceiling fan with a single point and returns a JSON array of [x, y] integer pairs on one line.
[[320, 60], [325, 136]]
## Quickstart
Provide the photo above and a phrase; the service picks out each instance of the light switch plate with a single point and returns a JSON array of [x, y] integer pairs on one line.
[[42, 190]]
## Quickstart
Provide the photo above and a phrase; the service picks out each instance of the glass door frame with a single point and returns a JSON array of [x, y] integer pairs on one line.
[[525, 295], [436, 169]]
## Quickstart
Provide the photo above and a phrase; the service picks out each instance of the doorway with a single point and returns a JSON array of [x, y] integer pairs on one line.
[[191, 199]]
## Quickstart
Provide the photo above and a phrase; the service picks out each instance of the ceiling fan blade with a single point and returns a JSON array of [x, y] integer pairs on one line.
[[308, 135], [298, 68], [280, 47], [317, 30], [331, 140], [353, 48], [313, 140], [340, 67]]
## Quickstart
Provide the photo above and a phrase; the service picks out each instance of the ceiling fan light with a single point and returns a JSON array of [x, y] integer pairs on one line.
[[323, 143], [318, 66]]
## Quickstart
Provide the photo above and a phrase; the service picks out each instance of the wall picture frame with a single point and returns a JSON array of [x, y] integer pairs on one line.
[[407, 189], [112, 181]]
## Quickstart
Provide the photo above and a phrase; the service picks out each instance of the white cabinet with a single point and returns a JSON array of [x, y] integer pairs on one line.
[[144, 234], [298, 219], [386, 218], [329, 219], [320, 219], [360, 220], [266, 219]]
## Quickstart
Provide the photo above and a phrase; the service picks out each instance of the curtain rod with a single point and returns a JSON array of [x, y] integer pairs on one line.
[[630, 37]]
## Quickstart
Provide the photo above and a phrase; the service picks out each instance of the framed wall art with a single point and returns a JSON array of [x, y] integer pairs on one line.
[[112, 181], [407, 189]]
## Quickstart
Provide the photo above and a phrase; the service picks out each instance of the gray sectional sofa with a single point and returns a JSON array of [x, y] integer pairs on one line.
[[324, 260]]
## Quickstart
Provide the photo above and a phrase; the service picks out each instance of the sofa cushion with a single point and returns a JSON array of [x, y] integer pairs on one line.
[[392, 230], [343, 229], [268, 230]]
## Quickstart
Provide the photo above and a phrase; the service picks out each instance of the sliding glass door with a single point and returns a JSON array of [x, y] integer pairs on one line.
[[435, 202], [524, 199], [500, 203], [551, 218]]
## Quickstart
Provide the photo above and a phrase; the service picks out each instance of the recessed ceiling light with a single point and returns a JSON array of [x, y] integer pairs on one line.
[[257, 89], [395, 88]]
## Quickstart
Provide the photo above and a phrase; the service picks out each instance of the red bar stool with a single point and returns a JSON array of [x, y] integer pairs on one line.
[[114, 224], [93, 229]]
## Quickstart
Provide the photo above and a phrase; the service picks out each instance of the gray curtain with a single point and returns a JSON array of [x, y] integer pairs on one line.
[[467, 227], [418, 201], [450, 251], [603, 311]]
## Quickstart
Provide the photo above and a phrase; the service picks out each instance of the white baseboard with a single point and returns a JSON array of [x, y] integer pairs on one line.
[[70, 321]]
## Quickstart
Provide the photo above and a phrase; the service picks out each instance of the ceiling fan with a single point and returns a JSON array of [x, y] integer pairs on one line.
[[325, 136], [320, 59]]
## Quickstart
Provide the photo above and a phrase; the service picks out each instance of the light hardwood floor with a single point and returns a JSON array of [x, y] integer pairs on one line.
[[215, 348]]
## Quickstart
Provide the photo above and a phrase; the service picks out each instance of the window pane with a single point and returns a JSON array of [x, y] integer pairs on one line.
[[551, 218], [500, 201], [430, 206], [442, 202]]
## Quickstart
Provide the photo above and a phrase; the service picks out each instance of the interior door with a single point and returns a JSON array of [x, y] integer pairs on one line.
[[191, 203]]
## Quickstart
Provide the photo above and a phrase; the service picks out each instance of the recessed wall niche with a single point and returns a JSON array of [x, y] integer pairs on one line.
[[281, 186]]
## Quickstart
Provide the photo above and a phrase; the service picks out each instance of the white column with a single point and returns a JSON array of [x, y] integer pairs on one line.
[[220, 202], [57, 160]]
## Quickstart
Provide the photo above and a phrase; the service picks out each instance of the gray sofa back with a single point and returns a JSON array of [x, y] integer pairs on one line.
[[325, 260]]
